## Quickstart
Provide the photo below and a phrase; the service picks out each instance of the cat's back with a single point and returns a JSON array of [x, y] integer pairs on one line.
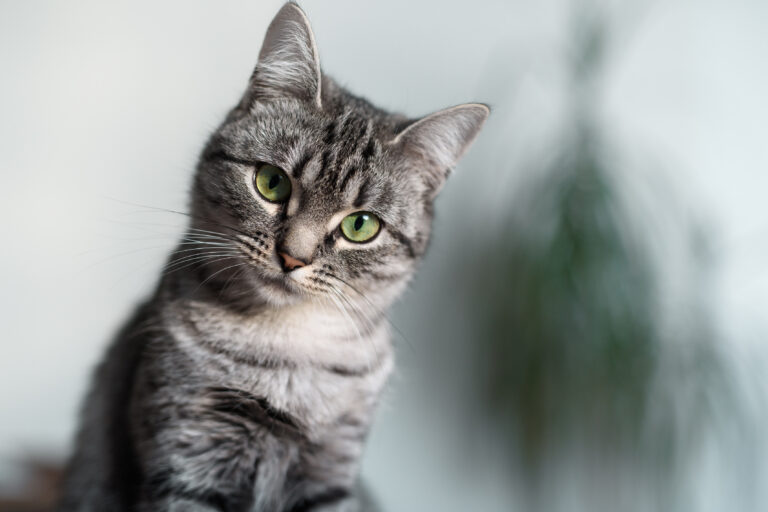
[[102, 472]]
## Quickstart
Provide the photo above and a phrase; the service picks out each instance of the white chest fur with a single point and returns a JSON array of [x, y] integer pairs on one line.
[[314, 363]]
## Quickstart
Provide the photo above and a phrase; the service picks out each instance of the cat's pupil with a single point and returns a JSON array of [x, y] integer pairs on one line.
[[273, 181], [359, 222]]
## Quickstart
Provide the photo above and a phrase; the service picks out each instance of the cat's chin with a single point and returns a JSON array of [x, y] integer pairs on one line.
[[278, 291]]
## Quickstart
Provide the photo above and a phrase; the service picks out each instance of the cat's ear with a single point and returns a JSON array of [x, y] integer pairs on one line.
[[289, 65], [434, 144]]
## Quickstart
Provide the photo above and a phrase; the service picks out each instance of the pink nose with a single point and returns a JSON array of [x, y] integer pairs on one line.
[[289, 262]]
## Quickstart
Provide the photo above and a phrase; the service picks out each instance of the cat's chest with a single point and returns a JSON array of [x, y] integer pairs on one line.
[[299, 337], [314, 380], [312, 399]]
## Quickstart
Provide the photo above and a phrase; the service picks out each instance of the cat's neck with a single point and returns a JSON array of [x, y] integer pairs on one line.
[[327, 333], [310, 359]]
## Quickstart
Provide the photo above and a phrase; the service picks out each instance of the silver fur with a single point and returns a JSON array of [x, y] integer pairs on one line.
[[242, 387]]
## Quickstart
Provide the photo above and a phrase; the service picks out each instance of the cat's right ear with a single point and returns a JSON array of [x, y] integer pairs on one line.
[[289, 65], [434, 144]]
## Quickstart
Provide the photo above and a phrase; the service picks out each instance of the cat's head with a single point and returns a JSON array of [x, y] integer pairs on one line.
[[320, 192]]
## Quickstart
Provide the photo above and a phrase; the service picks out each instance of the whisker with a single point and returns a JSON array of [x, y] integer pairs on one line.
[[189, 247], [340, 306], [371, 304], [343, 300], [203, 251], [206, 239], [157, 247], [188, 241], [370, 325], [122, 254], [208, 232], [218, 272], [233, 278], [186, 214], [189, 231], [194, 259]]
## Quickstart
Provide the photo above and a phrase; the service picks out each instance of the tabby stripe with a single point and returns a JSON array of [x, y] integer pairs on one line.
[[343, 176], [404, 240], [385, 277], [237, 357], [221, 155], [283, 212], [255, 409], [363, 194], [370, 150], [328, 497], [298, 169], [330, 132], [330, 239], [326, 158], [362, 371], [161, 486]]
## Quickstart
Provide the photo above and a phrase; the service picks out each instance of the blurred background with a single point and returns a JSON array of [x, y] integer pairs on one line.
[[588, 330]]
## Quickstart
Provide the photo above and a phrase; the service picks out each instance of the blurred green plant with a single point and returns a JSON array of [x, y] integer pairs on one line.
[[570, 315], [571, 323]]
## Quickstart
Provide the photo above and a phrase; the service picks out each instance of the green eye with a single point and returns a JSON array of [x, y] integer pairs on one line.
[[360, 227], [273, 184]]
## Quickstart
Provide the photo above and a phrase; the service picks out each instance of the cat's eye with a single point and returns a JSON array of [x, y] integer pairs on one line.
[[272, 183], [360, 227]]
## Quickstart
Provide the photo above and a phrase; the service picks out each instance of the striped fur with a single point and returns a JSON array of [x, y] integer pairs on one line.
[[238, 386]]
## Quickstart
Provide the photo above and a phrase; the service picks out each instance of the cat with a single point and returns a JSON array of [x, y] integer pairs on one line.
[[248, 380]]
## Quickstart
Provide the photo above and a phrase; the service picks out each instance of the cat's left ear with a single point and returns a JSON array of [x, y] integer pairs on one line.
[[289, 65], [434, 144]]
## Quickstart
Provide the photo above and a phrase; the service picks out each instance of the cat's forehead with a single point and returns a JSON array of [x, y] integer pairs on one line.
[[346, 165], [281, 128], [340, 156]]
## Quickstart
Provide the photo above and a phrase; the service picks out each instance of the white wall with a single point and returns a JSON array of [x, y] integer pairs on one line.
[[105, 105]]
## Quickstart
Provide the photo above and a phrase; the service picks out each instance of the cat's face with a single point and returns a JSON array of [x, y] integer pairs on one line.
[[321, 194], [317, 199]]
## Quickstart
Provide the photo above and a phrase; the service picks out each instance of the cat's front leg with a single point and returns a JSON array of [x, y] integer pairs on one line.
[[198, 467], [341, 504], [175, 504], [195, 457], [357, 499]]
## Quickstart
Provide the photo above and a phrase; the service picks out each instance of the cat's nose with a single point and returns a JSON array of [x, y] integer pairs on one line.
[[289, 262]]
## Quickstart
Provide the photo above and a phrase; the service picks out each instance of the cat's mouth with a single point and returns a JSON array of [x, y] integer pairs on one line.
[[281, 282], [277, 287], [284, 288], [274, 283]]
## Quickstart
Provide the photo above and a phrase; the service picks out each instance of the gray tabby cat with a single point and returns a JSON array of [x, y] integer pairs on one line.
[[248, 381]]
